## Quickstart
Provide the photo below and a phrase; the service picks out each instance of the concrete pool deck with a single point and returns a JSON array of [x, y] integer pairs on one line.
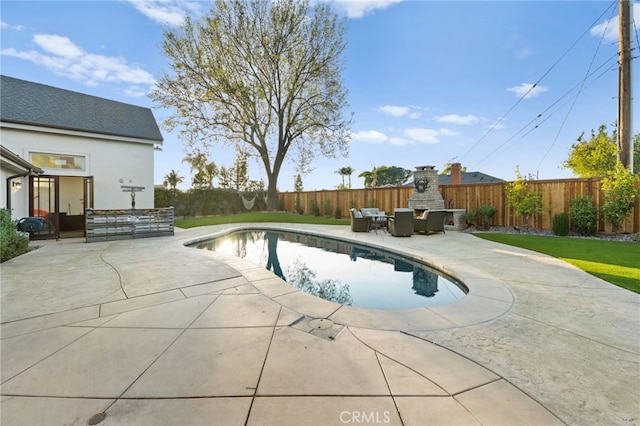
[[151, 332]]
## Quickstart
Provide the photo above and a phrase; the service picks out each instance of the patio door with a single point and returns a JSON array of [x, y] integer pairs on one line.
[[62, 201], [44, 196]]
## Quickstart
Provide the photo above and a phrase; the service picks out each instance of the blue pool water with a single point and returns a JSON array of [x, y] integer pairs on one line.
[[342, 272]]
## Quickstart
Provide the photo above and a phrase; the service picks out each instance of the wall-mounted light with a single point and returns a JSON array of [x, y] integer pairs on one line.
[[16, 185], [157, 148]]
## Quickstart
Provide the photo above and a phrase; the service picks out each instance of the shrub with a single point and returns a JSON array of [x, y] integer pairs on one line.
[[469, 217], [338, 213], [584, 215], [314, 208], [525, 202], [327, 210], [12, 242], [486, 213], [620, 195], [560, 224], [299, 208]]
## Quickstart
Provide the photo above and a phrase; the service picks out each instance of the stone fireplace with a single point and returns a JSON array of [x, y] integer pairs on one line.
[[425, 194]]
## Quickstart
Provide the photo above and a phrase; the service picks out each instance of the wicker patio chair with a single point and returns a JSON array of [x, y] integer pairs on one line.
[[401, 224], [358, 222], [433, 221]]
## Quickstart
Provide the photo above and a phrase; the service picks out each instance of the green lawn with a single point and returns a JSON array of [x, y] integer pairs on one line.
[[613, 261], [259, 217]]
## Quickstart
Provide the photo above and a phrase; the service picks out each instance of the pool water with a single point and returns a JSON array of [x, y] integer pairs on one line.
[[341, 272]]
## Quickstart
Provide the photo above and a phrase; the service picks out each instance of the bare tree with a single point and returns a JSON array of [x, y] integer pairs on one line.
[[263, 74]]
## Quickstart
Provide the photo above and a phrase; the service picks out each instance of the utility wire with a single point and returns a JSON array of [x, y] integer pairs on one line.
[[575, 99], [536, 83], [540, 115]]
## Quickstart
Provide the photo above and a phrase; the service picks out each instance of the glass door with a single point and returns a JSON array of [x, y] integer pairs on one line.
[[44, 195]]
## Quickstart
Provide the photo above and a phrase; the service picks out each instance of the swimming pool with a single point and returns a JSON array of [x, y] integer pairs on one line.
[[342, 272]]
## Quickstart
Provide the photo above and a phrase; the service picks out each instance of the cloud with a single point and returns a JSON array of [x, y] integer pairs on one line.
[[65, 58], [400, 111], [371, 136], [421, 135], [57, 45], [394, 111], [5, 26], [170, 12], [527, 90], [463, 120], [608, 30], [360, 8], [447, 132]]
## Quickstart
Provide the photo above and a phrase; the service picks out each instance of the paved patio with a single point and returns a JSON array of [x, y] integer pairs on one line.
[[151, 332]]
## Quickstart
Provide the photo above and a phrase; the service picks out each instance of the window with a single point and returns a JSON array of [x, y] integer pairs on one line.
[[58, 161]]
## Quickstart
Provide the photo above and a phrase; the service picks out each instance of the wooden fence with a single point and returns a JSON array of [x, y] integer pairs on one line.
[[556, 196], [108, 225]]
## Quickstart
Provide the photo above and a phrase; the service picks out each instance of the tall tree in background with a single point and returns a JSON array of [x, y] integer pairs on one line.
[[263, 74], [239, 172], [173, 179], [204, 170], [345, 171], [385, 176]]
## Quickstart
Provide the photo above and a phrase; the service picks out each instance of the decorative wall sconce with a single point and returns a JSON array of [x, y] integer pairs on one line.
[[16, 185]]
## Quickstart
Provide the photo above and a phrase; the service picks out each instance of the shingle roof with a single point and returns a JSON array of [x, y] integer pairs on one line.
[[469, 177], [25, 102]]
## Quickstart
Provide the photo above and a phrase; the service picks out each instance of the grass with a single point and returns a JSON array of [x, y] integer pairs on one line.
[[258, 217], [614, 261]]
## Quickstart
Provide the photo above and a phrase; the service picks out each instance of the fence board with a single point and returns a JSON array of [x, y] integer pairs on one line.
[[556, 194]]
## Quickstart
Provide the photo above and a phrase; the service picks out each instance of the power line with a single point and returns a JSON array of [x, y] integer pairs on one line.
[[575, 99], [536, 83], [540, 115]]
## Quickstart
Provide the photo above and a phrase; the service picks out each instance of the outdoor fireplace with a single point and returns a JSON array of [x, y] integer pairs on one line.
[[425, 194]]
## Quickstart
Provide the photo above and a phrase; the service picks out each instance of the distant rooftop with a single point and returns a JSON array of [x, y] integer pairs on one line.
[[25, 102], [469, 177]]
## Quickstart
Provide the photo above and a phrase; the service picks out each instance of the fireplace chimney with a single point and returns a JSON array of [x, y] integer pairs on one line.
[[456, 174]]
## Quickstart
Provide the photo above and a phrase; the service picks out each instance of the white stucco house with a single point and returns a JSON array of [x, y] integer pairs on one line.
[[64, 151]]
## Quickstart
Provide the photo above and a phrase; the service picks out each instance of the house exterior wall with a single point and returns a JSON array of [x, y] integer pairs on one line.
[[112, 161]]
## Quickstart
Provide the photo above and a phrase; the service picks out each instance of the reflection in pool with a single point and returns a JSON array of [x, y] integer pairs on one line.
[[341, 272]]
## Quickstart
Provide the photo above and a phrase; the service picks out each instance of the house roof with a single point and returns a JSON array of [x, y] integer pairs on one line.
[[12, 161], [25, 102], [465, 178], [469, 177]]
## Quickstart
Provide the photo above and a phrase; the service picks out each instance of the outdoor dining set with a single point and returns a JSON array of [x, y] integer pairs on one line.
[[403, 223]]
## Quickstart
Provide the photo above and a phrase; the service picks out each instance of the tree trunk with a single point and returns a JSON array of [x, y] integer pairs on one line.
[[272, 194]]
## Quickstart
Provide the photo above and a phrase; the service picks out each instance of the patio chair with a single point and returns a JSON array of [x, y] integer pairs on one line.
[[433, 221], [401, 224], [359, 223]]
